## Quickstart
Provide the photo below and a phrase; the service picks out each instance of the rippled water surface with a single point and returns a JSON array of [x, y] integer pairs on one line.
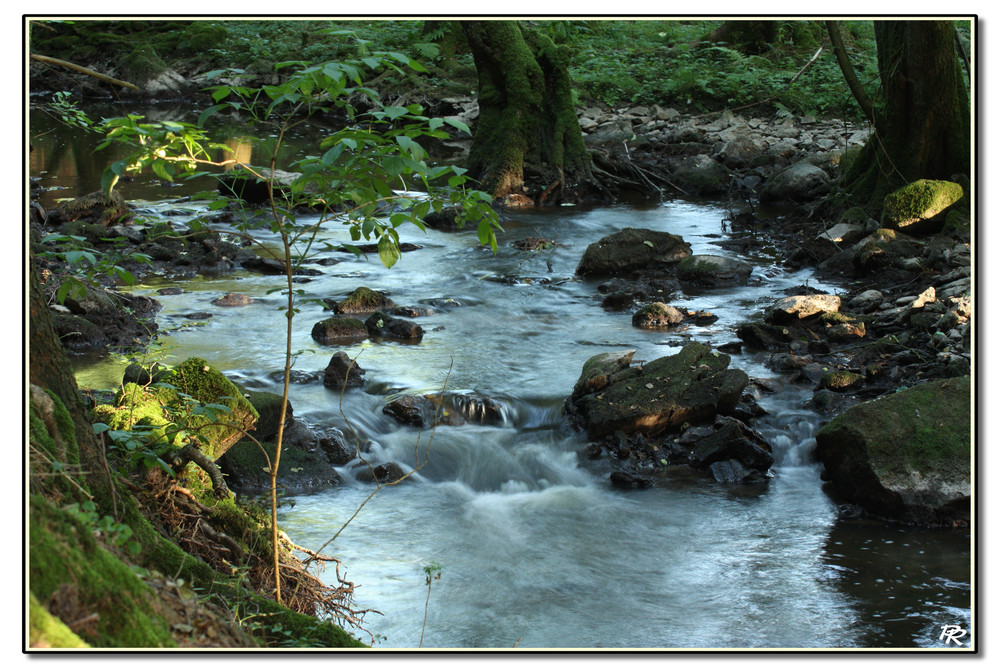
[[537, 549]]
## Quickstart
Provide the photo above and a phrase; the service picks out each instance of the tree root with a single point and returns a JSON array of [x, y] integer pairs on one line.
[[192, 453]]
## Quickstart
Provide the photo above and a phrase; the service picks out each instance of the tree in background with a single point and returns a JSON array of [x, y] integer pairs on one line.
[[528, 147], [922, 124]]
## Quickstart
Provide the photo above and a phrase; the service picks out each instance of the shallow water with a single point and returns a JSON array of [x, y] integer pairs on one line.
[[537, 548]]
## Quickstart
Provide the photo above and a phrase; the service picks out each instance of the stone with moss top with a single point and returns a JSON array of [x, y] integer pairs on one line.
[[364, 300], [163, 407], [915, 203], [905, 456]]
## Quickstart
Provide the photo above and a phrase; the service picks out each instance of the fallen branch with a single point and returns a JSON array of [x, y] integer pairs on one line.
[[82, 70]]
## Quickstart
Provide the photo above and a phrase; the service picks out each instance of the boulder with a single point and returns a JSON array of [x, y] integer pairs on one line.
[[693, 385], [800, 307], [743, 453], [156, 407], [741, 150], [95, 207], [912, 207], [632, 249], [882, 248], [598, 370], [339, 330], [384, 326], [800, 182], [657, 314], [843, 233], [231, 299], [268, 407], [905, 456], [713, 271], [383, 474], [700, 175], [363, 300], [342, 372], [449, 409], [247, 469]]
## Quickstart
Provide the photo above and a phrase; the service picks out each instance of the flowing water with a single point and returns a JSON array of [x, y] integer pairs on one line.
[[536, 548]]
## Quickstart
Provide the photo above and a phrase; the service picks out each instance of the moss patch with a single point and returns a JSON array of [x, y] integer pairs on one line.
[[70, 570], [48, 631], [919, 201]]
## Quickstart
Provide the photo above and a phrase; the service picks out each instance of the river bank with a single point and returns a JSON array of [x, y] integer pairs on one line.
[[902, 271]]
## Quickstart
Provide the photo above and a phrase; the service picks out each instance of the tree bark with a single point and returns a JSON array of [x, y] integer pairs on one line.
[[923, 127], [528, 145], [860, 95]]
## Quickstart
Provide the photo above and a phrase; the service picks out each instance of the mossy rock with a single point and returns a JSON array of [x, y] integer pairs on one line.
[[339, 330], [364, 300], [268, 407], [692, 386], [905, 456], [96, 208], [632, 249], [713, 271], [162, 406], [247, 469], [912, 206]]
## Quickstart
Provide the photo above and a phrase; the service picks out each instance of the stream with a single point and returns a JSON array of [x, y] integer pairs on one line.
[[536, 548]]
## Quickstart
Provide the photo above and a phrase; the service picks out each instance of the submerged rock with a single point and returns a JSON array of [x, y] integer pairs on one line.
[[632, 249]]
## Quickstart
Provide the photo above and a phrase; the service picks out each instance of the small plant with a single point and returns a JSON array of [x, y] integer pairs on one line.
[[105, 527], [86, 265], [432, 571]]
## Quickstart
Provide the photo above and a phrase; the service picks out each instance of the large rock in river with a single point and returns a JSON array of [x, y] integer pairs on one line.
[[632, 249], [156, 407], [905, 456], [692, 386]]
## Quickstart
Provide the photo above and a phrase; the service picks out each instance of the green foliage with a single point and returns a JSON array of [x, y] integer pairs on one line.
[[664, 62], [372, 175], [85, 266], [63, 108]]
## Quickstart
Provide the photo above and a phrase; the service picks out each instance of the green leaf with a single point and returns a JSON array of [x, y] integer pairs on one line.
[[407, 144], [455, 123], [388, 252]]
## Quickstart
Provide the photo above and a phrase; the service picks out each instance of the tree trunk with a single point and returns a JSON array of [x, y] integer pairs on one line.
[[528, 146], [50, 369], [923, 127]]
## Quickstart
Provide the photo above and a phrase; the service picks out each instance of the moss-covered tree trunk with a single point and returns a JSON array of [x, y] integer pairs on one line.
[[923, 125], [50, 369], [528, 146]]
